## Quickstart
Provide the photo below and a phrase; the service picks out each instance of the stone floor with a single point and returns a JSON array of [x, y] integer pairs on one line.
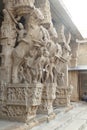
[[66, 119]]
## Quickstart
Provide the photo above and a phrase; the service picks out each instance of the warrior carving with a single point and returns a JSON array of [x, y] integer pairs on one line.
[[36, 37]]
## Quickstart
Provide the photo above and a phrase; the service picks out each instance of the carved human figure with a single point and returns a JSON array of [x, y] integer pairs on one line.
[[39, 38], [21, 32], [43, 63], [58, 52], [49, 68], [60, 79], [34, 37], [19, 51], [55, 56], [30, 68], [11, 94]]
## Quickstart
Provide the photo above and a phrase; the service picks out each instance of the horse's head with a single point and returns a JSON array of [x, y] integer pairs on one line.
[[36, 14]]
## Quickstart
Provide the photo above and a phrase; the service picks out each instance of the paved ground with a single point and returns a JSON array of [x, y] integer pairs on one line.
[[8, 125], [75, 119]]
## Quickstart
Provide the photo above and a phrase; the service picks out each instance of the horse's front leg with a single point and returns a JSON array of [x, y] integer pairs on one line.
[[16, 63]]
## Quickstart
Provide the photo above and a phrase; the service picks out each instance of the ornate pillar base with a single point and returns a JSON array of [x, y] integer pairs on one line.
[[48, 97], [62, 97], [21, 101]]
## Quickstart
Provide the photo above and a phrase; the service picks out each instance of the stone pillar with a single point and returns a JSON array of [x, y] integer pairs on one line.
[[74, 58], [49, 89], [8, 39], [48, 97], [62, 93], [18, 101]]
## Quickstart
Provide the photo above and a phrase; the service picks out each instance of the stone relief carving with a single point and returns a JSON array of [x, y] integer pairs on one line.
[[65, 43], [24, 2], [70, 90], [9, 4], [33, 60]]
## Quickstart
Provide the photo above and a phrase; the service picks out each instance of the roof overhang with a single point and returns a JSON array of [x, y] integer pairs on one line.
[[59, 11], [78, 68]]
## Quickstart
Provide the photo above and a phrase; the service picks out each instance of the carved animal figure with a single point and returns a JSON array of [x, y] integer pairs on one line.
[[35, 37]]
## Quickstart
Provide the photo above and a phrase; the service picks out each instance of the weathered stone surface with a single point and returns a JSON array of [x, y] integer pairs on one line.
[[20, 101], [32, 59], [63, 95], [48, 97]]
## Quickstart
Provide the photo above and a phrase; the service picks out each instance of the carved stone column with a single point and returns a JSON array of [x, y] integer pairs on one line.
[[62, 98], [49, 89], [48, 96], [18, 101], [8, 39], [74, 58]]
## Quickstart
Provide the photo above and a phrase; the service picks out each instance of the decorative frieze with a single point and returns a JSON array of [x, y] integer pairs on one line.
[[22, 100]]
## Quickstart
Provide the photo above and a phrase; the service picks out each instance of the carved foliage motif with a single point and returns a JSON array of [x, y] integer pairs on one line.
[[16, 111], [21, 95], [22, 101], [63, 96], [16, 95]]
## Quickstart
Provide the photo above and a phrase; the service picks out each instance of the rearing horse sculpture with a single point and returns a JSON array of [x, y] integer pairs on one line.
[[35, 37]]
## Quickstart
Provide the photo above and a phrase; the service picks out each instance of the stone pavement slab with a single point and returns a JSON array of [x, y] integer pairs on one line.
[[75, 119], [9, 125]]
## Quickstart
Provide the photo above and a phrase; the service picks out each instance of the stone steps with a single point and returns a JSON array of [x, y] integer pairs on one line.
[[75, 119], [61, 119], [79, 119]]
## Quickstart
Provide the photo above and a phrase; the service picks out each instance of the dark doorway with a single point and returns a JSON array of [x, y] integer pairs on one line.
[[82, 83]]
